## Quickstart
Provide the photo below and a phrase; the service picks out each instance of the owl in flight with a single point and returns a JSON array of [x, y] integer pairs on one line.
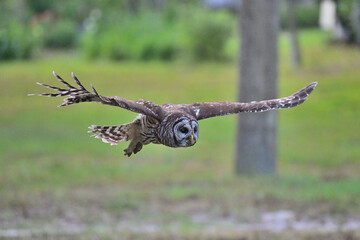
[[173, 125]]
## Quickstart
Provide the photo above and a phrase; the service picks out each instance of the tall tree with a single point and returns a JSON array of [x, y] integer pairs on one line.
[[293, 33], [257, 133]]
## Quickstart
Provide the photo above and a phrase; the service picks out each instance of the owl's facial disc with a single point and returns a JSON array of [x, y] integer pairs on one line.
[[186, 132]]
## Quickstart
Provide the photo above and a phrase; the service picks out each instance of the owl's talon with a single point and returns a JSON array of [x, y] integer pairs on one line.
[[138, 147], [127, 152]]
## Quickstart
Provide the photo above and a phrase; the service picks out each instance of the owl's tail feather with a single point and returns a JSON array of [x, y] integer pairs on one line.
[[111, 134]]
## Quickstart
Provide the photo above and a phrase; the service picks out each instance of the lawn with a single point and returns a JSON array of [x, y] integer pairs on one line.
[[56, 180]]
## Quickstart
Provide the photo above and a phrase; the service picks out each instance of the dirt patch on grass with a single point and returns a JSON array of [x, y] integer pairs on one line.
[[109, 212]]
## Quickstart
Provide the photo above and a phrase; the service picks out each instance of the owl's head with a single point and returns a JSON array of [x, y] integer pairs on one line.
[[186, 132], [178, 130]]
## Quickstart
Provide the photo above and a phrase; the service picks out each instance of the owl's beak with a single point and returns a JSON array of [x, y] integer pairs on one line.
[[191, 138]]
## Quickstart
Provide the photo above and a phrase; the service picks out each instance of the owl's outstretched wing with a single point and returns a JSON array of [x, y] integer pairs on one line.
[[80, 94], [214, 109]]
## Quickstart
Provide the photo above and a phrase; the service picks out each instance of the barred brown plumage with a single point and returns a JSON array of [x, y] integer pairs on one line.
[[173, 125]]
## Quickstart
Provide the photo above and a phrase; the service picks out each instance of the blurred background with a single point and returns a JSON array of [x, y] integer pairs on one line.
[[57, 183]]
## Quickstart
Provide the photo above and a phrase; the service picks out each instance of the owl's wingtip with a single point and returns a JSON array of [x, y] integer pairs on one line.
[[314, 84], [311, 87]]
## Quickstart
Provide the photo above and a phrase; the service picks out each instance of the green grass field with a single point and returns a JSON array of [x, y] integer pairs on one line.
[[52, 175]]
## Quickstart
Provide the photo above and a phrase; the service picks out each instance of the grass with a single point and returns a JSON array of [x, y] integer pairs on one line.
[[50, 167]]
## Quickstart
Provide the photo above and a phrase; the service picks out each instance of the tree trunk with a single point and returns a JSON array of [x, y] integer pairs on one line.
[[293, 33], [257, 132]]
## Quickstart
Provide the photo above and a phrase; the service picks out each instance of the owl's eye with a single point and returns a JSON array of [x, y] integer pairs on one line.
[[184, 130]]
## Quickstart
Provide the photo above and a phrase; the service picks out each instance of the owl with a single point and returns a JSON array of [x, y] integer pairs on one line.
[[173, 125]]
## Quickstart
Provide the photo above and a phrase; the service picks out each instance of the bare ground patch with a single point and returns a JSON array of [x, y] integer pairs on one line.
[[129, 213]]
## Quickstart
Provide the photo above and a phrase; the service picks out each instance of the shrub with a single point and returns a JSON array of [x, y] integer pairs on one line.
[[208, 35], [150, 36], [345, 11], [113, 46], [306, 16], [138, 37], [16, 42], [61, 34], [39, 6], [89, 45]]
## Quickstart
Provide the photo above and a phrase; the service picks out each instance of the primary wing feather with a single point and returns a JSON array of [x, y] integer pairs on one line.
[[212, 109], [80, 94]]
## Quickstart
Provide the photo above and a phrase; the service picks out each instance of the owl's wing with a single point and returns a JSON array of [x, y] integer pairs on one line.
[[80, 94], [214, 109]]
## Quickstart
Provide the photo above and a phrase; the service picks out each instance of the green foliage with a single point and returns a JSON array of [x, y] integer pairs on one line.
[[16, 42], [39, 6], [136, 37], [344, 11], [306, 16], [159, 35], [60, 34], [345, 14], [107, 29], [89, 45], [113, 45], [208, 34]]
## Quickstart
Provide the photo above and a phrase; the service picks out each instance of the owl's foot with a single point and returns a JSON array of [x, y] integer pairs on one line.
[[133, 148], [127, 152]]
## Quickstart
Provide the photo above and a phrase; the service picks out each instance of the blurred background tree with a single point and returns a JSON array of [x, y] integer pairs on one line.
[[293, 33], [200, 30], [256, 151]]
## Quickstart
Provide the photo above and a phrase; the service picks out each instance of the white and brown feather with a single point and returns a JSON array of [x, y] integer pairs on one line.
[[155, 123], [213, 109]]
